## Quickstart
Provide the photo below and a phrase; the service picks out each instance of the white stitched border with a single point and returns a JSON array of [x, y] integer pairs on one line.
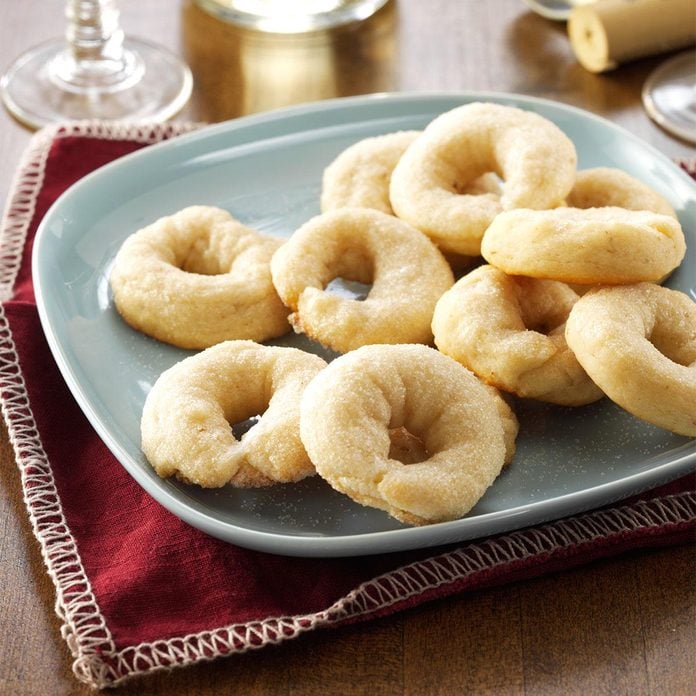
[[97, 661], [19, 212], [400, 584], [28, 180], [84, 627]]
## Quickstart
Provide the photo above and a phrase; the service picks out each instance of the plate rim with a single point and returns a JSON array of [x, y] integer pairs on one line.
[[369, 542], [207, 131]]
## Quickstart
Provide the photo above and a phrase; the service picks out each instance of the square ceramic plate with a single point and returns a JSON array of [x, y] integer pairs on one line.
[[266, 170]]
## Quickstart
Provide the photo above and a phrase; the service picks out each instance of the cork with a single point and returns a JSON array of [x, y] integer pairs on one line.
[[608, 33]]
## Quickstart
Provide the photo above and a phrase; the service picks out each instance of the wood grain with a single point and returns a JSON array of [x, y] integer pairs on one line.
[[621, 626], [474, 640]]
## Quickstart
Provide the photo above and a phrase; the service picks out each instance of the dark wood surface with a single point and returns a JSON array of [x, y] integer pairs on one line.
[[620, 626]]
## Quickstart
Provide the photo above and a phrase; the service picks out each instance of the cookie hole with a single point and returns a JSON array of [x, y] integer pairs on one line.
[[405, 447], [202, 259], [674, 348], [199, 269], [349, 289], [241, 428], [541, 307], [489, 182], [533, 320], [540, 326]]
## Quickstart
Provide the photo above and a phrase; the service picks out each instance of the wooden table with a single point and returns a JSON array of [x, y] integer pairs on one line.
[[622, 626]]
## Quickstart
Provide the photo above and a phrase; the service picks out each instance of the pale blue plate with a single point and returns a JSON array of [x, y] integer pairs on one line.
[[266, 170]]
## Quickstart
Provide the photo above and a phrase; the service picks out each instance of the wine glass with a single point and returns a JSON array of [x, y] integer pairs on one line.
[[291, 16], [558, 10], [669, 95], [95, 73]]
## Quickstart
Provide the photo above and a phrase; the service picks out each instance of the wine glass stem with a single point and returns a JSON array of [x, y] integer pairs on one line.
[[94, 58]]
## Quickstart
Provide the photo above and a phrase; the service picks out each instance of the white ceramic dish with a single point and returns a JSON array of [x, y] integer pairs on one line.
[[266, 170]]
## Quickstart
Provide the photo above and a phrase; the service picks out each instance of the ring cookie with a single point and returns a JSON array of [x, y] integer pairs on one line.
[[510, 332], [197, 278], [608, 187], [597, 245], [407, 272], [186, 422], [360, 176], [364, 395], [536, 160], [638, 343]]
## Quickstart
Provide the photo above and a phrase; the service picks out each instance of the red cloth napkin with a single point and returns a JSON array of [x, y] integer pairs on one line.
[[139, 590]]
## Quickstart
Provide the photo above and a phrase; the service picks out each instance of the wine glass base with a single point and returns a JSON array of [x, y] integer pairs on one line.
[[669, 96], [291, 16], [34, 98]]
